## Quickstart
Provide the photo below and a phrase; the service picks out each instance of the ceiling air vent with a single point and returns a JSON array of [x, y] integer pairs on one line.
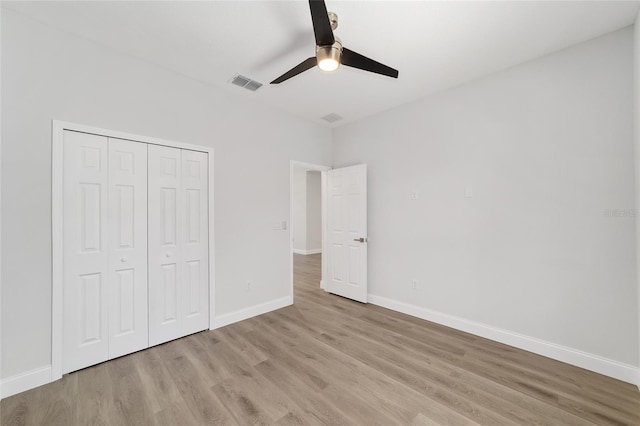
[[331, 118], [246, 82]]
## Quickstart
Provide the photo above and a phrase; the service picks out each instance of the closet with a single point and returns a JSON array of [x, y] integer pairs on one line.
[[135, 246]]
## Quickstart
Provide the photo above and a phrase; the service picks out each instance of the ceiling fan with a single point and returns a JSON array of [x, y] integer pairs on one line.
[[329, 50]]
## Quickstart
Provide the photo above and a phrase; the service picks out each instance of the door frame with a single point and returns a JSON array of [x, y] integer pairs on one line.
[[323, 206], [57, 224]]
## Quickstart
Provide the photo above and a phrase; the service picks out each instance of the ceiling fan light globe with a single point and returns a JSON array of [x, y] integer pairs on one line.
[[328, 65], [329, 56]]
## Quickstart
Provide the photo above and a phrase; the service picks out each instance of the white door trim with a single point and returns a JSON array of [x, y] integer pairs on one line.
[[323, 170], [57, 166]]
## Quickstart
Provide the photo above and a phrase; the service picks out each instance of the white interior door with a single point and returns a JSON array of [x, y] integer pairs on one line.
[[85, 295], [195, 241], [178, 243], [128, 314], [347, 232], [165, 226]]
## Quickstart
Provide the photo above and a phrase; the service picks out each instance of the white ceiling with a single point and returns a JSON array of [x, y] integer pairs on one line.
[[434, 45]]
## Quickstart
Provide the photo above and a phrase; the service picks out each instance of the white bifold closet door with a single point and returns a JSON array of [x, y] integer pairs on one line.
[[105, 249], [128, 309], [178, 243]]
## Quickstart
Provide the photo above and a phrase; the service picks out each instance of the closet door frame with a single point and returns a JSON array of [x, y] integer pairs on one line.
[[57, 224]]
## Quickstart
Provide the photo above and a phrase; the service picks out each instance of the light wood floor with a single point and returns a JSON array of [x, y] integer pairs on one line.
[[328, 360]]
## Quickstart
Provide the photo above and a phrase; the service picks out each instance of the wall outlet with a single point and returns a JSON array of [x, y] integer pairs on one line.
[[248, 285], [415, 194], [414, 285]]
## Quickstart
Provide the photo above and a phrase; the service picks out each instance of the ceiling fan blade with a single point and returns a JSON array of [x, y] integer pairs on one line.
[[321, 24], [356, 60], [300, 68]]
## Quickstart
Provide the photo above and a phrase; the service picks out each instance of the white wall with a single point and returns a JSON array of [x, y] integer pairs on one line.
[[314, 212], [299, 209], [47, 74], [306, 211], [636, 121], [1, 390], [547, 148]]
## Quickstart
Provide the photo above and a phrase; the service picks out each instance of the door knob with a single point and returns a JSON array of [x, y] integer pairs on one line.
[[123, 259], [360, 240], [168, 254]]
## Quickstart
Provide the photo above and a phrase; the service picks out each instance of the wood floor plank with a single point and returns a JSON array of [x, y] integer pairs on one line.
[[470, 405], [176, 413], [263, 395], [422, 420], [317, 409], [328, 360], [275, 402], [159, 387], [58, 407], [439, 415], [96, 405], [511, 400], [242, 407], [370, 349], [384, 393], [51, 405], [238, 342], [573, 378], [219, 359], [203, 403], [278, 350], [128, 394], [538, 385], [293, 419], [15, 412]]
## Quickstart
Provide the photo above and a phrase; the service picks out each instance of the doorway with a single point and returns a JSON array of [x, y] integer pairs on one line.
[[307, 217]]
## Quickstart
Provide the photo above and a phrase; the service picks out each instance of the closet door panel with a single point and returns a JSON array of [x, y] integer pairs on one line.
[[166, 298], [85, 295], [128, 313], [195, 241]]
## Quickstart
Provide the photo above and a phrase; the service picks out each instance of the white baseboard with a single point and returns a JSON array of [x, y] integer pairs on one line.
[[24, 381], [305, 252], [608, 367], [246, 313]]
